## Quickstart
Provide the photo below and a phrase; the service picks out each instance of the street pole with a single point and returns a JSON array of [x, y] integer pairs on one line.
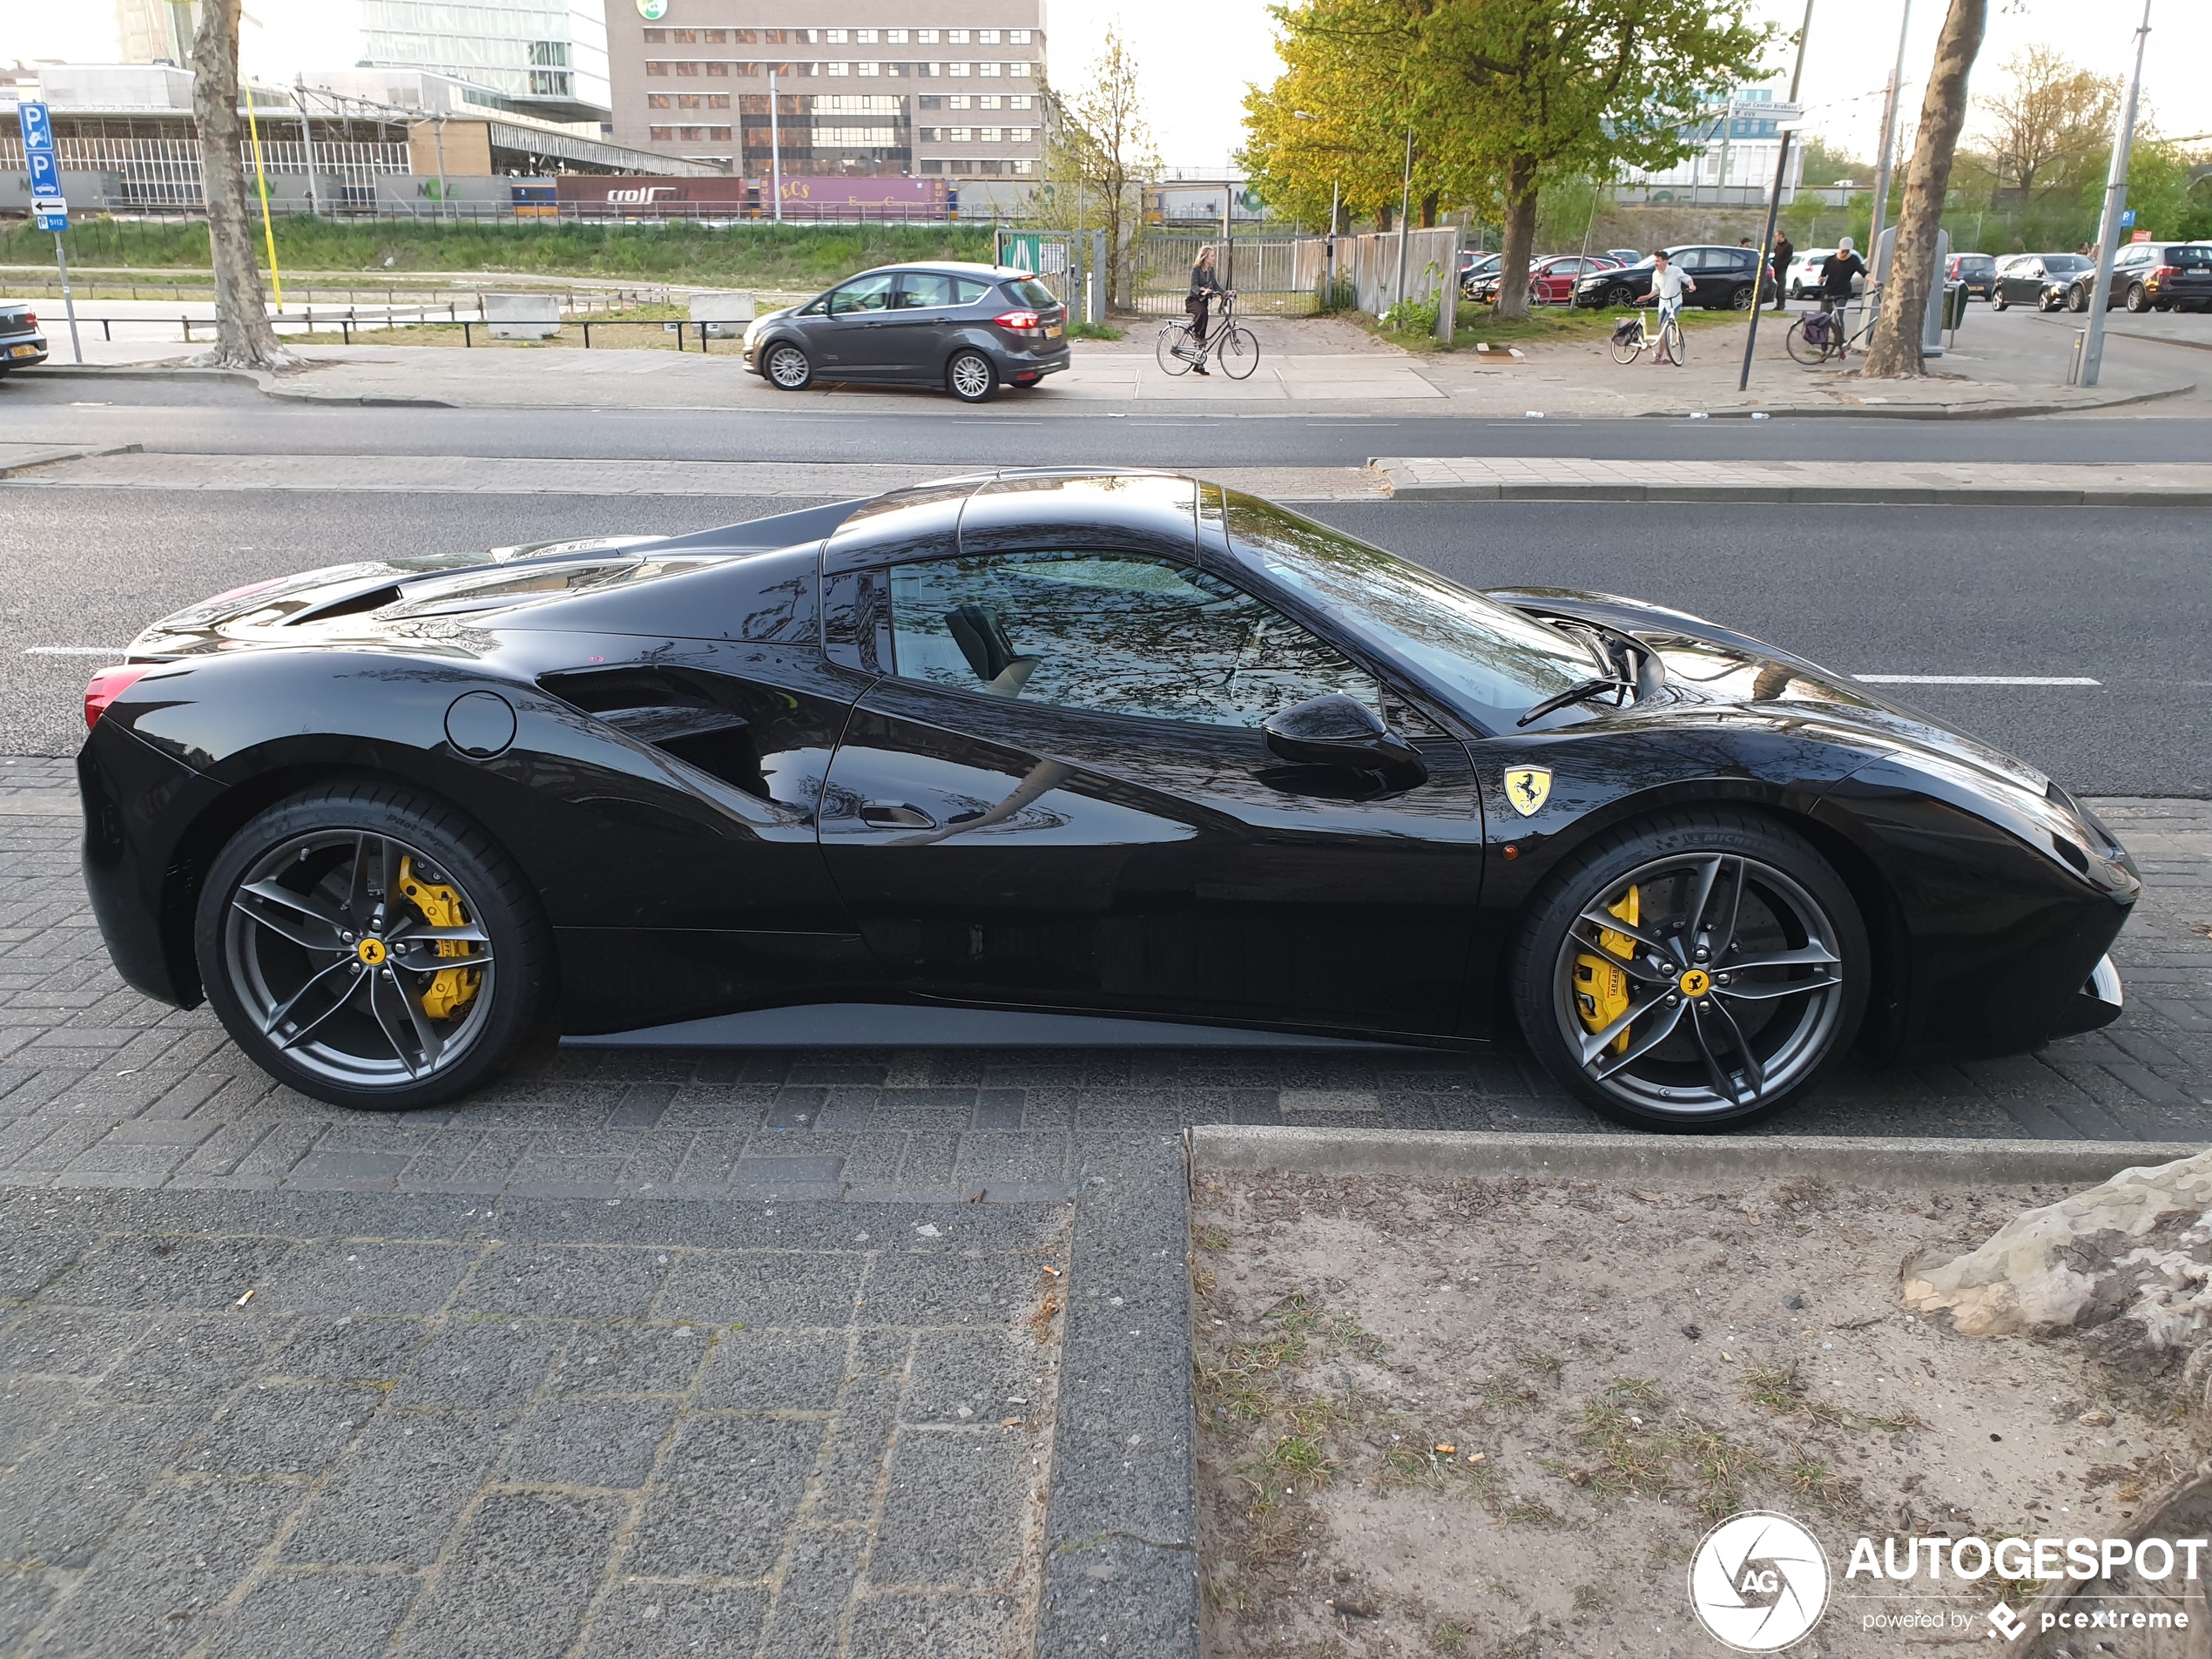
[[1774, 206], [775, 150], [307, 137], [261, 184], [69, 298], [1886, 160], [2093, 348], [1330, 247], [1405, 213]]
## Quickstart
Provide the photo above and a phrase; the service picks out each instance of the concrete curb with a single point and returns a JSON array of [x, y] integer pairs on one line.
[[268, 385], [50, 457], [1713, 1159], [1930, 411]]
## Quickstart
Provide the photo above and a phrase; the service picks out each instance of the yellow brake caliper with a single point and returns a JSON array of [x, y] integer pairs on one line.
[[451, 989], [1601, 988]]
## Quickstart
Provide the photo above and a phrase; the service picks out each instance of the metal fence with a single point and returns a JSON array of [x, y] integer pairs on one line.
[[1273, 275]]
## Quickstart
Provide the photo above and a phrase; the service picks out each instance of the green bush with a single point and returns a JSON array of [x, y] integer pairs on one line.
[[1338, 295], [1411, 317]]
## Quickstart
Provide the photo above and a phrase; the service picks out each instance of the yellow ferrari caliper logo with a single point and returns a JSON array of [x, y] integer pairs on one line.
[[451, 988], [371, 951], [1695, 981]]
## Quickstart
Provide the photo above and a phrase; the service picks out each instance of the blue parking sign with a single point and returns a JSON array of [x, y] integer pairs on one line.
[[45, 174], [37, 127]]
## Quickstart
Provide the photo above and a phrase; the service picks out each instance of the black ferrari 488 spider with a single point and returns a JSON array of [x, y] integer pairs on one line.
[[1080, 740]]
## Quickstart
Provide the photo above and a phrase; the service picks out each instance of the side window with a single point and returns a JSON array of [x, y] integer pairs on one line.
[[968, 290], [867, 294], [921, 290], [1109, 632]]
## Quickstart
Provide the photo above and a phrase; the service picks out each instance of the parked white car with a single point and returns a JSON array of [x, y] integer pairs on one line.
[[1808, 265]]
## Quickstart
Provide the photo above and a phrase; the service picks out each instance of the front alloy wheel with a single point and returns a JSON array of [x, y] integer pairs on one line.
[[789, 368], [1700, 972], [2138, 300], [370, 949]]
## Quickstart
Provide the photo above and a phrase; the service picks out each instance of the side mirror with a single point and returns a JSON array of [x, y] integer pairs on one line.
[[1339, 731]]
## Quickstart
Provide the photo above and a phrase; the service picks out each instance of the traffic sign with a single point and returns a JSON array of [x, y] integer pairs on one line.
[[45, 172], [37, 127], [51, 221], [2126, 218]]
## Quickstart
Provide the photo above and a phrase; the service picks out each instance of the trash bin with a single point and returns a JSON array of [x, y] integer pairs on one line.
[[1954, 304]]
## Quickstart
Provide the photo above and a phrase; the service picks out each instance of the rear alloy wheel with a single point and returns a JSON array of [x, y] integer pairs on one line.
[[789, 368], [2137, 299], [372, 948], [1697, 971], [1741, 300], [971, 377]]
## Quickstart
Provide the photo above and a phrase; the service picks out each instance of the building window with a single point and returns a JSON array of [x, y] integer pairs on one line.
[[654, 66], [835, 37], [656, 100], [956, 36], [718, 135], [717, 68], [1017, 36], [926, 36], [896, 37], [690, 101], [744, 36], [714, 37], [1025, 168], [685, 36], [987, 36], [986, 68], [661, 135], [655, 37], [933, 167], [958, 101], [987, 101], [718, 101], [841, 69], [690, 69], [994, 168], [1018, 101], [871, 69], [1020, 71], [956, 70], [864, 36], [930, 101]]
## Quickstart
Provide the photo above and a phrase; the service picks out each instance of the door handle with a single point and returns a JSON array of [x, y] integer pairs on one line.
[[887, 815]]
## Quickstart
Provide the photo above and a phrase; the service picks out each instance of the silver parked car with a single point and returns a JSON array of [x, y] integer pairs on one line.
[[969, 328]]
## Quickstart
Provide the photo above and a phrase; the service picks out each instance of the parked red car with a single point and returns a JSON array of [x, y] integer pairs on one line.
[[1551, 280]]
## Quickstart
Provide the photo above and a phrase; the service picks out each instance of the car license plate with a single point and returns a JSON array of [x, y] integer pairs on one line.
[[1052, 331], [23, 351]]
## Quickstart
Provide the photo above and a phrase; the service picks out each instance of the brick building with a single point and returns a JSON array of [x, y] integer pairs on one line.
[[863, 88]]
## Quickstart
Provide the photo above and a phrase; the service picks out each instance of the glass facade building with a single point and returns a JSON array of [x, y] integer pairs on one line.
[[549, 57]]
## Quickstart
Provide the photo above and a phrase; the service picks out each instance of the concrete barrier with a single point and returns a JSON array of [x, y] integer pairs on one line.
[[722, 314], [522, 316]]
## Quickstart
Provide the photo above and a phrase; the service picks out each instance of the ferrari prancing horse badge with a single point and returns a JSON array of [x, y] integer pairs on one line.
[[1527, 788]]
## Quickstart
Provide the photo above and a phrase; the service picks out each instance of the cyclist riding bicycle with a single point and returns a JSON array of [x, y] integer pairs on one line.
[[1669, 285], [1205, 288]]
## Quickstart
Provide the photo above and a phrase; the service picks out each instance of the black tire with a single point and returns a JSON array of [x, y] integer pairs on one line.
[[1997, 302], [1799, 348], [971, 377], [2138, 301], [381, 1040], [786, 367], [1620, 298], [2077, 299], [1741, 300], [1774, 896]]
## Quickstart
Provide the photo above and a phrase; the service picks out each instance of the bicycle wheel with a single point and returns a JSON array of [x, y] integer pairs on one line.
[[1670, 343], [1175, 337], [1237, 352], [1628, 350], [1805, 351]]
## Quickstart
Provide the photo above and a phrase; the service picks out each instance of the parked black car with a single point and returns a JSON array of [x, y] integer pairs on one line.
[[1726, 278], [1977, 271], [2026, 280], [22, 345], [2150, 276], [1475, 267], [1087, 740], [969, 328]]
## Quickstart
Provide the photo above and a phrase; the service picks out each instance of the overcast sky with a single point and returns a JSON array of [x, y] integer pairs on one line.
[[1197, 60]]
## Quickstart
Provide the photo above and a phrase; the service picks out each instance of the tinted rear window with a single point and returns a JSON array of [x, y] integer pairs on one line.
[[1030, 292], [2196, 253]]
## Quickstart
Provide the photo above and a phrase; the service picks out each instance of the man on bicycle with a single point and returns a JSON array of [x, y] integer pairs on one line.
[[1668, 284], [1205, 287]]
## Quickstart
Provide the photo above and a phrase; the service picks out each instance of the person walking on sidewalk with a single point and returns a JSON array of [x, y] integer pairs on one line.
[[1784, 252], [1668, 284], [1205, 287]]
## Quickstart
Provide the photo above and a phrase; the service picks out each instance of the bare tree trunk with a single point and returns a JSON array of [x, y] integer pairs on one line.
[[1895, 353], [243, 337], [1429, 211], [1521, 240]]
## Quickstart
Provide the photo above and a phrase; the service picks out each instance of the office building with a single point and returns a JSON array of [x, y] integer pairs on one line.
[[864, 87], [546, 57], [1737, 144]]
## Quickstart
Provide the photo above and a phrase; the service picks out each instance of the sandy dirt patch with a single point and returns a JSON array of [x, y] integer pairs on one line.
[[1495, 1418]]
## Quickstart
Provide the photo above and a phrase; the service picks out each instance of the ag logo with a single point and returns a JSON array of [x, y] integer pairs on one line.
[[1528, 788], [1759, 1583], [652, 10]]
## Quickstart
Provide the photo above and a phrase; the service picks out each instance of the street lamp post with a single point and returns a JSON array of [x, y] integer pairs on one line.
[[2093, 346], [775, 150], [1886, 160], [1774, 206], [1405, 212]]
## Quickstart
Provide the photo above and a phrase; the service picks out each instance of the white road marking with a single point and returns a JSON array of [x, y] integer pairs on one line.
[[75, 650], [1976, 680]]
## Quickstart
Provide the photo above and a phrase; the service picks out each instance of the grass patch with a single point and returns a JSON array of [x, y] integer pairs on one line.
[[1547, 325], [1105, 331], [1781, 1390], [769, 255]]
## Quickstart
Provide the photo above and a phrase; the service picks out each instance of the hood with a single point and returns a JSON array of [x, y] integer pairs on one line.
[[1710, 666]]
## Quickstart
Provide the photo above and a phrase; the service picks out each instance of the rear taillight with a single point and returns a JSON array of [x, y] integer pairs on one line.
[[31, 319], [105, 686], [1019, 322], [2165, 271]]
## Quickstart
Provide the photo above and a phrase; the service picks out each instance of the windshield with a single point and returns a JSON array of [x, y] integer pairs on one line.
[[1495, 658]]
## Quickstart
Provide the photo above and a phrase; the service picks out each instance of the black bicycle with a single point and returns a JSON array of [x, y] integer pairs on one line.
[[1233, 346]]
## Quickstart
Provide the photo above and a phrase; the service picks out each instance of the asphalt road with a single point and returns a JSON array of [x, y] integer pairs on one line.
[[2119, 597], [234, 419]]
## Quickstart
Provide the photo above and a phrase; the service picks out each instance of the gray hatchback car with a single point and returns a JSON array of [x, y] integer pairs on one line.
[[969, 328]]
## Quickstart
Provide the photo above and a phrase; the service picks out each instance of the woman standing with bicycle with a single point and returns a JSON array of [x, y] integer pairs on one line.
[[1669, 285], [1205, 287]]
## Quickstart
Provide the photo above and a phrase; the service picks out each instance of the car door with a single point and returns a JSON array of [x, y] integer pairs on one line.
[[852, 336], [917, 328], [2023, 283], [1059, 796]]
